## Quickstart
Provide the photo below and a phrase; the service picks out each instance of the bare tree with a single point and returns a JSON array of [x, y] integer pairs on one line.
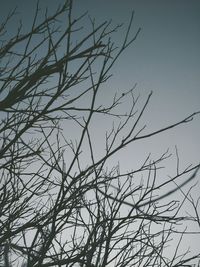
[[61, 204]]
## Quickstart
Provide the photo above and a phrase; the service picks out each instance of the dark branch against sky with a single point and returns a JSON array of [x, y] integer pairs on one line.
[[164, 59]]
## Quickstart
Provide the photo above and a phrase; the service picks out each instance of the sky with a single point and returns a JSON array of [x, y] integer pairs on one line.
[[165, 59]]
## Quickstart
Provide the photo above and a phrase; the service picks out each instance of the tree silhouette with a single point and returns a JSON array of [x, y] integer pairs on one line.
[[61, 204]]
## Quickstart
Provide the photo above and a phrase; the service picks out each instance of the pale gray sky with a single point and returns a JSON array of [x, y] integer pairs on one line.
[[165, 58]]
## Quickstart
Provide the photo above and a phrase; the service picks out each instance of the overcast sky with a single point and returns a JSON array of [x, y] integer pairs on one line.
[[165, 58]]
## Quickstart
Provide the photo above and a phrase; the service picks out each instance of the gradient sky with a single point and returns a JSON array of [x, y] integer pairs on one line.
[[165, 58]]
